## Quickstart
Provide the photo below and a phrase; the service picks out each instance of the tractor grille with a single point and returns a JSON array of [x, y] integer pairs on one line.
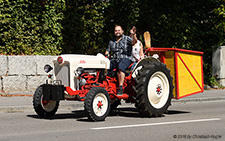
[[62, 73]]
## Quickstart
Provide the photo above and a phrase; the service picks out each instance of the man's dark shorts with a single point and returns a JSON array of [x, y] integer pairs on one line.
[[122, 65]]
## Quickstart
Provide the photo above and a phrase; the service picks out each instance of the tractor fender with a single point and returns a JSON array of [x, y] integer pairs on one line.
[[141, 63]]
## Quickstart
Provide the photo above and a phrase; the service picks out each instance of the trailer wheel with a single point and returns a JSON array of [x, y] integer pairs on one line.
[[97, 104], [154, 88], [44, 108]]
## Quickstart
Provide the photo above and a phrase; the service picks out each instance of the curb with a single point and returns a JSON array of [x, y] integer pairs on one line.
[[198, 100]]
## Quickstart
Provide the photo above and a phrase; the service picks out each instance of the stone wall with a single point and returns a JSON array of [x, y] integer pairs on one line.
[[22, 74]]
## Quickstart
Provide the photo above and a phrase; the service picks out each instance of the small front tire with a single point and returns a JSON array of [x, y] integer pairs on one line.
[[97, 104], [44, 108]]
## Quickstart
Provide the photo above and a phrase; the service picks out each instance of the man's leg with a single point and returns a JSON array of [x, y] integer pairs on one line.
[[123, 65], [121, 77], [112, 67]]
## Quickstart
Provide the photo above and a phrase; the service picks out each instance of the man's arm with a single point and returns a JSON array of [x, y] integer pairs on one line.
[[108, 50]]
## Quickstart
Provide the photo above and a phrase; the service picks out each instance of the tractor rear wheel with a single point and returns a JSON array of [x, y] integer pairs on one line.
[[154, 88], [97, 104], [42, 107]]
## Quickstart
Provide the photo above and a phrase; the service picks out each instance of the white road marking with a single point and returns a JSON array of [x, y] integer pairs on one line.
[[153, 124]]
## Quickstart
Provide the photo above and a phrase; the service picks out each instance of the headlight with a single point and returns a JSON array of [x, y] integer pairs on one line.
[[82, 82], [60, 60], [80, 70], [47, 68]]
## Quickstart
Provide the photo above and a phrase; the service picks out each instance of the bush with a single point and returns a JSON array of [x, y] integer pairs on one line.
[[30, 27]]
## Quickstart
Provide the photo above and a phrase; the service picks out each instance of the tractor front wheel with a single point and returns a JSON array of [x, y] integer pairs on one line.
[[97, 104], [42, 107]]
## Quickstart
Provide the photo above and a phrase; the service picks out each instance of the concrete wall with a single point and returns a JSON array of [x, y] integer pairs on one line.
[[218, 64], [22, 74]]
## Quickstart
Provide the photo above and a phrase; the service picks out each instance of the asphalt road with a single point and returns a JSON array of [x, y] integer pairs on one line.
[[190, 121]]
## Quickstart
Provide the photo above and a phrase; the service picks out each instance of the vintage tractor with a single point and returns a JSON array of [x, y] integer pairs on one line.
[[83, 78]]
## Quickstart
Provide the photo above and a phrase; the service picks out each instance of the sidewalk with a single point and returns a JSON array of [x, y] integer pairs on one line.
[[24, 103], [207, 95]]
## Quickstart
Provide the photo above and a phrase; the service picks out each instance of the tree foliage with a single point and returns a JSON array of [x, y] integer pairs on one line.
[[83, 26], [28, 27]]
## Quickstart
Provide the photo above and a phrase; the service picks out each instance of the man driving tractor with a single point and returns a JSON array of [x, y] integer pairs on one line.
[[121, 49]]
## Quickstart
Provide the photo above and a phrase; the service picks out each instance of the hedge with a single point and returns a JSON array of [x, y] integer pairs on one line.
[[28, 27]]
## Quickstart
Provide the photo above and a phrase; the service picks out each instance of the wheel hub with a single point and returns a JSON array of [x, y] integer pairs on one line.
[[48, 105], [100, 104], [159, 89], [44, 102]]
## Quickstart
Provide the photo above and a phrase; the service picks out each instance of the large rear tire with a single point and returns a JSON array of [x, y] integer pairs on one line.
[[154, 88], [44, 108], [97, 104]]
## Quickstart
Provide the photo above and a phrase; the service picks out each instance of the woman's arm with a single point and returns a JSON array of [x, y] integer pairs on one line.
[[133, 35], [141, 53]]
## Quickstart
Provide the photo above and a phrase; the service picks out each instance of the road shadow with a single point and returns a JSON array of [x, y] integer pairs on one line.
[[175, 112], [126, 112], [81, 116], [133, 112], [73, 115]]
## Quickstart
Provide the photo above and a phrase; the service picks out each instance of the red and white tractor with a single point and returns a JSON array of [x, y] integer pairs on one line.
[[83, 78], [165, 74]]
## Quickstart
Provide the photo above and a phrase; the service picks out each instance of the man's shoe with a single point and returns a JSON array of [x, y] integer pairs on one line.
[[120, 92]]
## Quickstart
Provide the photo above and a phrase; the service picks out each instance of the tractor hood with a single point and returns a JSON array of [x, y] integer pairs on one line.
[[85, 61]]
